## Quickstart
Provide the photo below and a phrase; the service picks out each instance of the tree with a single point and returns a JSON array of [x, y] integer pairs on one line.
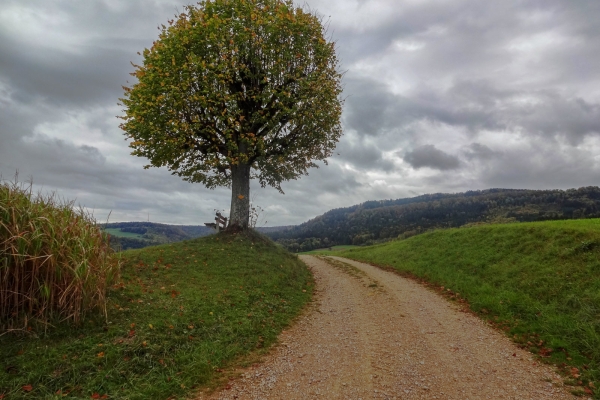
[[234, 90]]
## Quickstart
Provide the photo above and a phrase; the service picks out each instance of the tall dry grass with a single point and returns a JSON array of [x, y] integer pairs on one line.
[[55, 262]]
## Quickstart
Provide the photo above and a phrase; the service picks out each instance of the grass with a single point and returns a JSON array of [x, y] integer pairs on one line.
[[55, 262], [119, 233], [327, 251], [181, 313], [540, 282]]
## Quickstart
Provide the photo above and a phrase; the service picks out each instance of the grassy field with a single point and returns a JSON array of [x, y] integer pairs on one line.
[[326, 250], [540, 282], [181, 313], [119, 233]]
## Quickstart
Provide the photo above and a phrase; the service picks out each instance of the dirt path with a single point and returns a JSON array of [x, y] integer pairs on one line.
[[374, 335]]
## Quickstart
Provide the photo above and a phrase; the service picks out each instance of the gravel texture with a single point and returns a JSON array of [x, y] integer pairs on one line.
[[371, 334]]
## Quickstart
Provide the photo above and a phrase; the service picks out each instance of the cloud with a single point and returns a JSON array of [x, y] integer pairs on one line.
[[479, 151], [440, 96], [428, 156]]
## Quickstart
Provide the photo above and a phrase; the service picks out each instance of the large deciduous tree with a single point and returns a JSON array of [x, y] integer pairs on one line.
[[234, 90]]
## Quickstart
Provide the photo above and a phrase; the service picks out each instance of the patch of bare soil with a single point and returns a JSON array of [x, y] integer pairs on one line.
[[375, 335]]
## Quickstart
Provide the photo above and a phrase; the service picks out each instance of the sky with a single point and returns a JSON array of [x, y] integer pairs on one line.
[[440, 96]]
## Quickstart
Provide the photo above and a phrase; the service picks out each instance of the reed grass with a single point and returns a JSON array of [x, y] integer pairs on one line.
[[55, 262]]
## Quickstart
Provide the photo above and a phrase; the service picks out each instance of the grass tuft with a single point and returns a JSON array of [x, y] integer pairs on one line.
[[55, 263]]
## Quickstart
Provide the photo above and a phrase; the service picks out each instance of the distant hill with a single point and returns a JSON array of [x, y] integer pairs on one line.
[[136, 235], [377, 221]]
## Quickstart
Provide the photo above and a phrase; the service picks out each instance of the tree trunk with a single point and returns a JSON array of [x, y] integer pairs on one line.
[[240, 197]]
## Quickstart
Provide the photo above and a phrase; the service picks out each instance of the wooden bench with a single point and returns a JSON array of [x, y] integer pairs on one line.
[[220, 222]]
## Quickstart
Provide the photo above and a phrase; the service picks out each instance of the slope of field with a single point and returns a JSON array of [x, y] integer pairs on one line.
[[540, 282], [137, 235], [377, 221], [180, 314]]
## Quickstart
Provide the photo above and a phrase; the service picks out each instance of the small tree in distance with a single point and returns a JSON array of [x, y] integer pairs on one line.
[[234, 90]]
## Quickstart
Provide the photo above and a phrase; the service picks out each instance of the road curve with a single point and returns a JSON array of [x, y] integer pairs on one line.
[[371, 334]]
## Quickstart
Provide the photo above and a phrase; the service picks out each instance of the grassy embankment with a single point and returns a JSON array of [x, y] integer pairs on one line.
[[540, 282], [180, 314], [119, 233], [326, 251]]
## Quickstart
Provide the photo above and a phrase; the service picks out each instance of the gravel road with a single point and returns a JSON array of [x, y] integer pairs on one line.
[[371, 334]]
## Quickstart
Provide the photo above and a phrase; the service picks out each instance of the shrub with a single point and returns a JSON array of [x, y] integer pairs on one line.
[[55, 262]]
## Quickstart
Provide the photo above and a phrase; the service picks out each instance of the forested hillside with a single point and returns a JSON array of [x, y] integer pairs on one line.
[[375, 221]]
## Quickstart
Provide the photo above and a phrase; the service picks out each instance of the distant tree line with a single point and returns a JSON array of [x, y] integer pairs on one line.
[[376, 221]]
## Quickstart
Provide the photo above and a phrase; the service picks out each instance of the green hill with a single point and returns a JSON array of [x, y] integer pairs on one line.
[[180, 315], [540, 282], [137, 235], [377, 221]]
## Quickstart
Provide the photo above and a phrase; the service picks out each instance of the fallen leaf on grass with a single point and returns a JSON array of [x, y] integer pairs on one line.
[[575, 372], [545, 352], [101, 354], [27, 388]]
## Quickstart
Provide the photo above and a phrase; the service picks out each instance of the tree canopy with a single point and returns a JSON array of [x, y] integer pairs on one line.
[[234, 90]]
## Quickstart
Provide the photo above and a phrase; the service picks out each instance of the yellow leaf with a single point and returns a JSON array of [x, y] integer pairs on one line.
[[101, 354]]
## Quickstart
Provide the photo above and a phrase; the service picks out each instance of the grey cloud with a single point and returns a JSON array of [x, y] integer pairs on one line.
[[429, 156], [62, 78], [572, 118], [373, 110], [463, 43], [526, 69], [368, 106], [480, 151], [541, 167], [90, 72], [363, 155], [474, 106]]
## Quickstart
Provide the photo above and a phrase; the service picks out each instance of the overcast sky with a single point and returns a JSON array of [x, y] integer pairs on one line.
[[441, 96]]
